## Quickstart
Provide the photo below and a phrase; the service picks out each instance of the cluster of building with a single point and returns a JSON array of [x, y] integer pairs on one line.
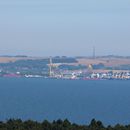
[[111, 75], [76, 74], [82, 74], [89, 74]]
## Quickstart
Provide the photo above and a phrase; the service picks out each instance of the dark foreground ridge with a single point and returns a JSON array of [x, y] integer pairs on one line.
[[18, 124]]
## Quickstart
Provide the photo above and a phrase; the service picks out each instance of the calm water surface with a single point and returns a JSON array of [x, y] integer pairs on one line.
[[77, 100]]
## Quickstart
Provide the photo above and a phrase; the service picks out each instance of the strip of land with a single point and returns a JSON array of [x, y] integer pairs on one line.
[[105, 67]]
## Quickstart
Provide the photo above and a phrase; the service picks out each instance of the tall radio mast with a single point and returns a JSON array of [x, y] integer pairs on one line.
[[50, 67]]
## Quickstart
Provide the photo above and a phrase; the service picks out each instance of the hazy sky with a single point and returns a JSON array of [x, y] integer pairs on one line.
[[64, 27]]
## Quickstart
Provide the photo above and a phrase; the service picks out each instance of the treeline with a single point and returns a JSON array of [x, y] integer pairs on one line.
[[33, 66], [36, 63], [18, 124]]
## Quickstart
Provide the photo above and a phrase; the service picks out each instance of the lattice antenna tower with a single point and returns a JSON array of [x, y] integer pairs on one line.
[[50, 66]]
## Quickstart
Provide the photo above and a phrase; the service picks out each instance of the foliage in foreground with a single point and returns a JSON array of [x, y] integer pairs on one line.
[[18, 124]]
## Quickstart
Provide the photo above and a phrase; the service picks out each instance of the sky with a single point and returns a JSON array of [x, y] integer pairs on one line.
[[64, 27]]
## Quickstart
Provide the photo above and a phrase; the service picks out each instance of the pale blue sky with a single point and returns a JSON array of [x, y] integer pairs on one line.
[[69, 27]]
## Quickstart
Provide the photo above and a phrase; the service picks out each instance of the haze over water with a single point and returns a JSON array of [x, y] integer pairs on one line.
[[77, 100]]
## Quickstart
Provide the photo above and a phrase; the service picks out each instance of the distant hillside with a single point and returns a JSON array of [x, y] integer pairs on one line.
[[7, 59], [106, 61]]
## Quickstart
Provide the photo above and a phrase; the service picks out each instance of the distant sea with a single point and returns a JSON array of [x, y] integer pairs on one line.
[[77, 100]]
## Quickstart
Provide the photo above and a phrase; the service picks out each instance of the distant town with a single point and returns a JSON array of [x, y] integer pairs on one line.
[[62, 67]]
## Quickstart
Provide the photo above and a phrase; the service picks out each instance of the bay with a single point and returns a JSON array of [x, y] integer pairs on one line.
[[77, 100]]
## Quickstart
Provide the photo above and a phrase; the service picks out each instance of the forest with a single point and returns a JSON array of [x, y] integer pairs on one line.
[[18, 124]]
